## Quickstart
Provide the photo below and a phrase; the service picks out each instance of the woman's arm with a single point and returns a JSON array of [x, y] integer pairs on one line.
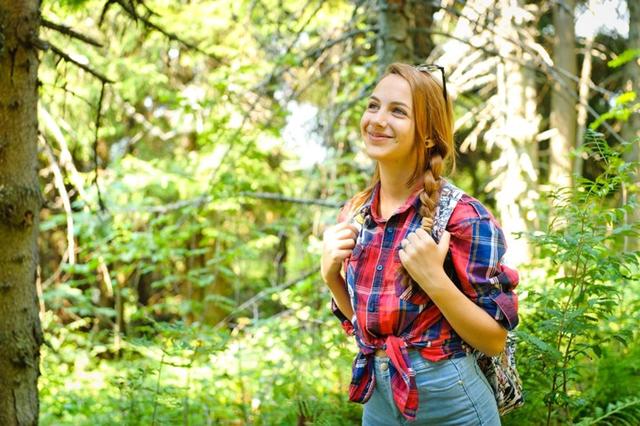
[[423, 259], [474, 325], [338, 243], [339, 292]]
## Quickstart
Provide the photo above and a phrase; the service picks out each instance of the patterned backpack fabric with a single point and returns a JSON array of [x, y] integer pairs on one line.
[[503, 377], [499, 370]]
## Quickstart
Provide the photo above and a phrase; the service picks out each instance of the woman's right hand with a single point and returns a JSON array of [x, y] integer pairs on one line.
[[337, 243]]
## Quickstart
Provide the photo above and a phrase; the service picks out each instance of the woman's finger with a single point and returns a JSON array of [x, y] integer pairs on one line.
[[341, 254], [346, 244], [413, 238], [422, 234], [345, 234]]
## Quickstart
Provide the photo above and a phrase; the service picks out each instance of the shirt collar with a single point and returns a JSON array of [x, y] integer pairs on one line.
[[374, 201]]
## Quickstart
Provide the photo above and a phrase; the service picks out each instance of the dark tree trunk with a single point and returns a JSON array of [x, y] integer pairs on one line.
[[20, 201], [396, 25]]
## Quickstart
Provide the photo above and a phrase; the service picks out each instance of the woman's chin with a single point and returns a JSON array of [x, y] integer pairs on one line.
[[376, 152]]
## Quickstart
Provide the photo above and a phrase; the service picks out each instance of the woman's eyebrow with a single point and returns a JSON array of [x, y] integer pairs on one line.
[[392, 102]]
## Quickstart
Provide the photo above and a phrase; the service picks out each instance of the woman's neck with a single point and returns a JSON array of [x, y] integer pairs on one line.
[[393, 188]]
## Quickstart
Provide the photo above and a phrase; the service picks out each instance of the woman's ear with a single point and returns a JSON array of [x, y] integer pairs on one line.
[[430, 143]]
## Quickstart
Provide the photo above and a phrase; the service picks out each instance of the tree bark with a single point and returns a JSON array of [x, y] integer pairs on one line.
[[422, 11], [516, 168], [563, 104], [396, 24], [20, 201]]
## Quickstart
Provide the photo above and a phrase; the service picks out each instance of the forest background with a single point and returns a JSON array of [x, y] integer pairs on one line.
[[167, 169]]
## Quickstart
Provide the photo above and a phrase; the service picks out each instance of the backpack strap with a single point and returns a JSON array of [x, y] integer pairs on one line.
[[449, 197]]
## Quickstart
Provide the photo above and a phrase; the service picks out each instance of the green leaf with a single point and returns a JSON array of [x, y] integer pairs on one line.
[[624, 57]]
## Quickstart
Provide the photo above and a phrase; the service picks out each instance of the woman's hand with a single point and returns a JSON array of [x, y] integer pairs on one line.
[[337, 243], [423, 258]]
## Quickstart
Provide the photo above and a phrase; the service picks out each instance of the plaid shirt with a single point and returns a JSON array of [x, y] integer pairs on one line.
[[386, 318]]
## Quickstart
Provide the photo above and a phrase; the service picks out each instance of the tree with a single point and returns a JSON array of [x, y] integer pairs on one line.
[[399, 38], [20, 200], [631, 129], [563, 104]]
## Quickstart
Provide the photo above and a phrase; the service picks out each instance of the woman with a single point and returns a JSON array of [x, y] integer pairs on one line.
[[418, 307]]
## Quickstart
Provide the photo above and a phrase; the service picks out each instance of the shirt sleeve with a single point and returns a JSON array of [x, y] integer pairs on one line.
[[477, 247], [347, 324]]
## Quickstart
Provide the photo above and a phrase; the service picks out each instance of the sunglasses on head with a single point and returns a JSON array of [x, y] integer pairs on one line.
[[429, 68]]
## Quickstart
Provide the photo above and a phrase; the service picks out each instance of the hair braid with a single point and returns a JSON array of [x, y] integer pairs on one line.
[[429, 200]]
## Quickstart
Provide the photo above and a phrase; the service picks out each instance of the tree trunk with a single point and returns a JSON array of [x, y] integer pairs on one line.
[[631, 129], [516, 168], [20, 201], [396, 24], [563, 104], [423, 11]]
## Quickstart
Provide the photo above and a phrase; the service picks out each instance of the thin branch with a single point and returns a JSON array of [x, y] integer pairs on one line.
[[62, 190], [65, 157], [63, 29], [131, 11], [284, 198], [95, 147], [265, 293], [85, 67]]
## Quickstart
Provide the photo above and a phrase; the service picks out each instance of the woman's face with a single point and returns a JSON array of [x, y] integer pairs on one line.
[[387, 125]]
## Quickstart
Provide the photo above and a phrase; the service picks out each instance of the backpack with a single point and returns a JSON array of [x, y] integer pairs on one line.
[[500, 371]]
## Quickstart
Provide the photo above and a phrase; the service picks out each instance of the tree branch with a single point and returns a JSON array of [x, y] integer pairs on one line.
[[80, 65], [58, 181], [265, 293], [95, 147], [284, 198], [131, 11], [63, 29]]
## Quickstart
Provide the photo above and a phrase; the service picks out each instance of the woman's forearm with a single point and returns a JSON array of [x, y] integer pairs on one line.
[[339, 292], [472, 323]]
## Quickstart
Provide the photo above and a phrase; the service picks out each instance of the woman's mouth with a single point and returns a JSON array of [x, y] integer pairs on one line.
[[378, 137]]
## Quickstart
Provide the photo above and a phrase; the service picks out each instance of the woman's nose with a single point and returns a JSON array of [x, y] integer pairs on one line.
[[379, 119]]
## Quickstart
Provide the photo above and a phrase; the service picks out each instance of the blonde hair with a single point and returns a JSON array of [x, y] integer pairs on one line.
[[433, 126]]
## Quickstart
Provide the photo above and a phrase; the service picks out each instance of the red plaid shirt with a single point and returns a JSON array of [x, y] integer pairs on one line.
[[385, 320]]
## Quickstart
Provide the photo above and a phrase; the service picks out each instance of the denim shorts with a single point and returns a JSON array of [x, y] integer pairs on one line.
[[451, 392]]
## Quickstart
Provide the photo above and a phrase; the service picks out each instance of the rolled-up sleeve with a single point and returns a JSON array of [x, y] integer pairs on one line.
[[346, 323], [477, 248]]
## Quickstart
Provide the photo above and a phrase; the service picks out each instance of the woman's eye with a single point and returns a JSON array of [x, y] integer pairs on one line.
[[372, 105], [399, 111]]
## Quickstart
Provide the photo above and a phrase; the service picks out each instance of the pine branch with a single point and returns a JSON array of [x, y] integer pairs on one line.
[[133, 14], [80, 65], [63, 29]]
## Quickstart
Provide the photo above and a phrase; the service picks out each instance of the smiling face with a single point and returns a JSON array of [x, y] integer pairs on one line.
[[387, 126]]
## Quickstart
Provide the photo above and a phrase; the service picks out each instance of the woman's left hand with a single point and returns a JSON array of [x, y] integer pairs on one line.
[[424, 259]]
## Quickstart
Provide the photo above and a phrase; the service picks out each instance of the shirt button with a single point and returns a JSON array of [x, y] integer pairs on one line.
[[389, 230], [379, 267]]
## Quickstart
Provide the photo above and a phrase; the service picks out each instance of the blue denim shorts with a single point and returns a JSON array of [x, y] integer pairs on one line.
[[451, 392]]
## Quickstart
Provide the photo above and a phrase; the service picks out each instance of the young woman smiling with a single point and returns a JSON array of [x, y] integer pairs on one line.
[[420, 305]]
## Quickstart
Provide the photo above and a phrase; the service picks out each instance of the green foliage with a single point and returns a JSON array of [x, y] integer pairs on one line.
[[580, 308], [624, 58], [625, 412], [185, 303]]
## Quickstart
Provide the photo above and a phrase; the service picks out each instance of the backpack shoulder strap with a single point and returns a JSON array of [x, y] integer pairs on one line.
[[449, 197]]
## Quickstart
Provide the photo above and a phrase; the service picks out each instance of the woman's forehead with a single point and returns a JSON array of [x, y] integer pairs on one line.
[[393, 88]]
